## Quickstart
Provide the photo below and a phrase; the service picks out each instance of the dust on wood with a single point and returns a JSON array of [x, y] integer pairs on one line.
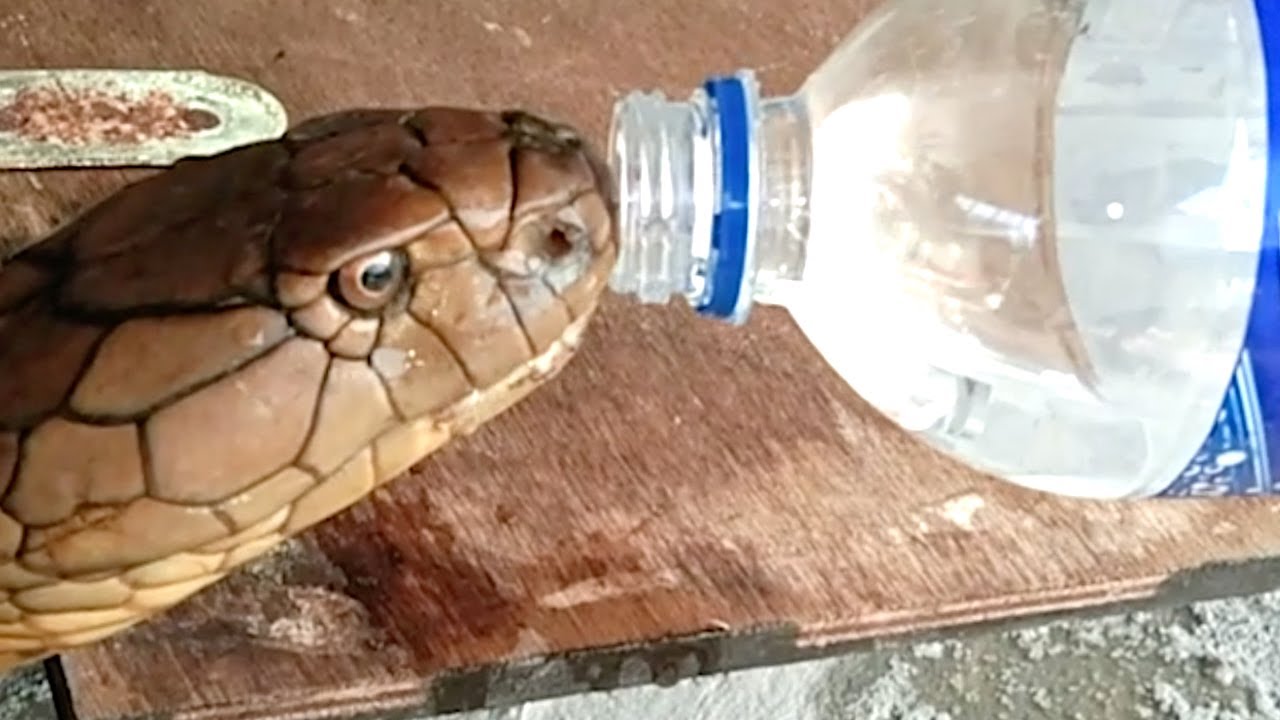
[[292, 600]]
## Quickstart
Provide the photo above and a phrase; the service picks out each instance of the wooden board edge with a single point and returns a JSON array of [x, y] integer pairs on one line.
[[671, 660], [678, 658]]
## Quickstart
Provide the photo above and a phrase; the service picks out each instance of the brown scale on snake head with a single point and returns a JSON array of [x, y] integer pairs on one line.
[[235, 349]]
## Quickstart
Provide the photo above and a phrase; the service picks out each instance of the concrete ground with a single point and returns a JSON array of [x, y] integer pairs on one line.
[[1216, 660]]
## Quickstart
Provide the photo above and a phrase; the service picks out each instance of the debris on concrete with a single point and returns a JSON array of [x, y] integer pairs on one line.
[[24, 695], [929, 650], [891, 696]]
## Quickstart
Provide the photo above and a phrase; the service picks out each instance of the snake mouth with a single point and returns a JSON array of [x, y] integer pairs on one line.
[[483, 403], [605, 182], [559, 248]]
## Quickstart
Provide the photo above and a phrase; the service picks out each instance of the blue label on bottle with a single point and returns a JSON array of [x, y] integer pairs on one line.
[[1238, 456]]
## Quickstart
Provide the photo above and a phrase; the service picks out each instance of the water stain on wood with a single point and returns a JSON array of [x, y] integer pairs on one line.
[[442, 600], [419, 583]]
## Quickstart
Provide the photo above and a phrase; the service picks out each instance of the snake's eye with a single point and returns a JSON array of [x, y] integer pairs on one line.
[[369, 282]]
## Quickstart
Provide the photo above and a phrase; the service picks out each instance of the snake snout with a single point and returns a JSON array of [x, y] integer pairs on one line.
[[562, 214]]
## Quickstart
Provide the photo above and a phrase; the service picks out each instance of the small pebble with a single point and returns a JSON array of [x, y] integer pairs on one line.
[[1041, 698], [929, 651]]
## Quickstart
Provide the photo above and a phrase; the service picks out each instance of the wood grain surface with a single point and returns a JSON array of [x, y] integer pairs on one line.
[[685, 498]]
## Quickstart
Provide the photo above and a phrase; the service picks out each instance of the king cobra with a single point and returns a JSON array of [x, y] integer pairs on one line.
[[238, 347]]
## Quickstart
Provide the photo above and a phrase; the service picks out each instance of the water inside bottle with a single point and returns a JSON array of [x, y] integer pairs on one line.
[[1046, 216]]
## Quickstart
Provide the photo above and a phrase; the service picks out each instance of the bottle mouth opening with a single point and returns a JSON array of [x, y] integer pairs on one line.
[[650, 156], [686, 177]]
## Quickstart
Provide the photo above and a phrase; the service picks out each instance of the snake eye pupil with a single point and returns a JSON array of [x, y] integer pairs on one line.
[[370, 282], [378, 274]]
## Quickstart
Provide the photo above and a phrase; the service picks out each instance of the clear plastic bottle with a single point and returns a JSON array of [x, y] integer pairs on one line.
[[1041, 234]]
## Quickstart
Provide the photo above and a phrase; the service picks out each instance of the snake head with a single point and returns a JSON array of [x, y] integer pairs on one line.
[[470, 256], [236, 348]]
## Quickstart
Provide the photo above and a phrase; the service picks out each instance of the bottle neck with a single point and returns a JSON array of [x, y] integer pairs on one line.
[[713, 196]]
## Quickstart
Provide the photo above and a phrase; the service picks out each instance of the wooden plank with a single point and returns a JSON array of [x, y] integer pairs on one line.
[[685, 498]]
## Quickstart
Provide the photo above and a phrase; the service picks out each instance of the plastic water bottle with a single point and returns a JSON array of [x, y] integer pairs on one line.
[[1041, 234]]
